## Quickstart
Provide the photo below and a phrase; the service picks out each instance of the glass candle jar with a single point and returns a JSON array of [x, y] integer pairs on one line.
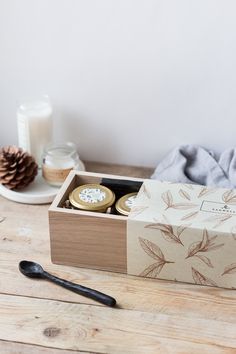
[[58, 161]]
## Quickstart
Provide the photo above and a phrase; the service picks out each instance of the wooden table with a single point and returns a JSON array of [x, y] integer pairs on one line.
[[152, 317]]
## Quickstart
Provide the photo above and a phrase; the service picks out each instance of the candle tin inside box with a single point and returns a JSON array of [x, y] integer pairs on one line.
[[124, 204], [92, 197]]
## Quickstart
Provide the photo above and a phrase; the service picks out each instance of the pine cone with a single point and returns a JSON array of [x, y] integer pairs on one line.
[[17, 167]]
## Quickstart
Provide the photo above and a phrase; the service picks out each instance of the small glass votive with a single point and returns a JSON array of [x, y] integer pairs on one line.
[[58, 161]]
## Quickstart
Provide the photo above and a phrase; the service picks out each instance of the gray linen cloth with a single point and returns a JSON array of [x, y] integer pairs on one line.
[[194, 164]]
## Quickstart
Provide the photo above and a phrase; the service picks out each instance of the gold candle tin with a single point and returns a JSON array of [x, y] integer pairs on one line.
[[92, 197], [124, 204]]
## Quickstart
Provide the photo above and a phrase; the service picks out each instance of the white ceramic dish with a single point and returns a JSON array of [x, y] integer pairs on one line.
[[38, 192]]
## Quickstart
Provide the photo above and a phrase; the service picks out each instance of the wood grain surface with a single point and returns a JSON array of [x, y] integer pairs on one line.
[[152, 316]]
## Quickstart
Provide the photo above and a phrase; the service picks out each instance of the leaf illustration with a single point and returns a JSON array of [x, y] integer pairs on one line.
[[155, 252], [181, 228], [206, 245], [2, 218], [137, 210], [222, 220], [153, 270], [213, 248], [172, 238], [166, 231], [230, 269], [151, 249], [190, 216], [229, 197], [188, 185], [205, 259], [183, 206], [194, 248], [184, 194], [201, 279], [219, 218], [145, 191], [205, 191], [213, 218], [167, 198], [212, 238], [205, 239], [160, 226]]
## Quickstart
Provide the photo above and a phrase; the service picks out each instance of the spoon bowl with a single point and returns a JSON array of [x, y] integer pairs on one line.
[[31, 269]]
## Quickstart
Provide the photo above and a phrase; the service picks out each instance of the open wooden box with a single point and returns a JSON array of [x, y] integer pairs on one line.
[[175, 231], [87, 239]]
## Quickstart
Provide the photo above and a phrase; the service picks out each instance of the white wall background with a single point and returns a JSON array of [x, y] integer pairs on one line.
[[129, 79]]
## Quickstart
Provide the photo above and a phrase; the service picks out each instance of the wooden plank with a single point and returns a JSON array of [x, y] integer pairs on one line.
[[20, 348], [123, 170], [24, 237], [131, 293], [166, 317], [105, 330]]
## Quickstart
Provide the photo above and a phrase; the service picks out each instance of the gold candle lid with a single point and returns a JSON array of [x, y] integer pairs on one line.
[[92, 197], [124, 204]]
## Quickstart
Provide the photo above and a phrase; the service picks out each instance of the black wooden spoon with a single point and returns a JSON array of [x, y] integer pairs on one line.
[[35, 270]]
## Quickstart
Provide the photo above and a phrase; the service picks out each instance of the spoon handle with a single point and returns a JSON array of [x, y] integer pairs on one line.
[[82, 290]]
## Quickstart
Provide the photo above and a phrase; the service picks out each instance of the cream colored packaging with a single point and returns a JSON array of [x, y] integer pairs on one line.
[[183, 232]]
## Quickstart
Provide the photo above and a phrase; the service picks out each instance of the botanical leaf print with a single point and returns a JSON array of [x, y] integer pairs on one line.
[[230, 269], [205, 191], [167, 232], [220, 219], [187, 185], [184, 194], [153, 270], [183, 206], [151, 249], [229, 197], [201, 279], [136, 210], [206, 245], [2, 218], [160, 226], [181, 228], [145, 191], [167, 198], [190, 216], [155, 252], [194, 248], [204, 259]]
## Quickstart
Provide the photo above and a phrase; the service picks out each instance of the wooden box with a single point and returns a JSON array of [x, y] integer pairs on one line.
[[84, 238], [176, 232]]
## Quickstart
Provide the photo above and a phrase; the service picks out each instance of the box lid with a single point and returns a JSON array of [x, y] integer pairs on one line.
[[180, 204], [183, 232]]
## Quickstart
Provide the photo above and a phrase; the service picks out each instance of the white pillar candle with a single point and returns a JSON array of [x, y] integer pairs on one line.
[[34, 120]]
